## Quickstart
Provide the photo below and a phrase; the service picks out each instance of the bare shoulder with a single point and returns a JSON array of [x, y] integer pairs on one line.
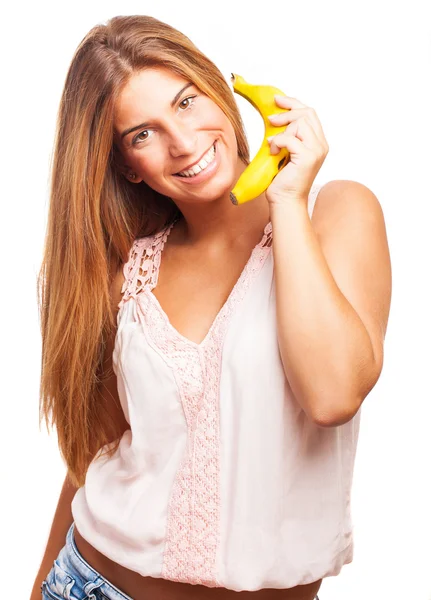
[[340, 198]]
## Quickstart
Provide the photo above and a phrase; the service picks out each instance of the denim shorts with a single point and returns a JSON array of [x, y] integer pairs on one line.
[[72, 578]]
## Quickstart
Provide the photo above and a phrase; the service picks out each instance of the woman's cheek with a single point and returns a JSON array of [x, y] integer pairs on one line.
[[150, 168]]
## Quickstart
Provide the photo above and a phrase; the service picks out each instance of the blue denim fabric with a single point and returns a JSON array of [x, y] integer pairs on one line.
[[72, 578]]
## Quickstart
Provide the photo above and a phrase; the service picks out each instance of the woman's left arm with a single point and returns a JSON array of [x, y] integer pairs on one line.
[[332, 276]]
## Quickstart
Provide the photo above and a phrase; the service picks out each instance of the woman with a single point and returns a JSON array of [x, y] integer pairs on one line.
[[207, 404]]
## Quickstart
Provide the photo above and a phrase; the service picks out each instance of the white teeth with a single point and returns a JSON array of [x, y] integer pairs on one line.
[[201, 165]]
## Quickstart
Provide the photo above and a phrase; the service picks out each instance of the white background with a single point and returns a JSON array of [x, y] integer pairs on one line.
[[365, 67]]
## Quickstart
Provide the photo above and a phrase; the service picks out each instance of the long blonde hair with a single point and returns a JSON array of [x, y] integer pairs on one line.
[[94, 216]]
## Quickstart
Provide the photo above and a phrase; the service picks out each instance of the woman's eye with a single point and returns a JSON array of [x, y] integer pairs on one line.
[[140, 137], [188, 104]]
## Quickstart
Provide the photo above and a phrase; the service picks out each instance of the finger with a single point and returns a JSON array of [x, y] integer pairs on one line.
[[289, 141], [301, 129], [288, 102], [287, 116], [280, 119], [304, 131]]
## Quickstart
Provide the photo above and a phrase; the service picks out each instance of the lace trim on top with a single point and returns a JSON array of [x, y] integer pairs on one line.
[[141, 270]]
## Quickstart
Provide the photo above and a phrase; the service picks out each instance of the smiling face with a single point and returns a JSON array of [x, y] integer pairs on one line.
[[163, 125]]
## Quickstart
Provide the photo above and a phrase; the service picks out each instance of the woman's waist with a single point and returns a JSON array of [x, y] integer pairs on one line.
[[140, 587]]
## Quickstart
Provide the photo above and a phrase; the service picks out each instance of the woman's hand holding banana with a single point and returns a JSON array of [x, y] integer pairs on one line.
[[286, 166], [307, 146]]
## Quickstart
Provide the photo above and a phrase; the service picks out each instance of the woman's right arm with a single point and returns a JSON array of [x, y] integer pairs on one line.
[[63, 514], [57, 536]]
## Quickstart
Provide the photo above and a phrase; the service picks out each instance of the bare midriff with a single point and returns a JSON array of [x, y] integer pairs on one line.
[[139, 587]]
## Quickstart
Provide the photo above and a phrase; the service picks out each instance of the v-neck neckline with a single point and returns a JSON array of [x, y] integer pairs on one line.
[[260, 246]]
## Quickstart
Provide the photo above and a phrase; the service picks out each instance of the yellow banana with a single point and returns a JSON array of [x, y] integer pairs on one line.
[[258, 175]]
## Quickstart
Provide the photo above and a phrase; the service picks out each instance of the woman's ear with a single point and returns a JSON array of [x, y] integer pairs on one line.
[[124, 169], [131, 176]]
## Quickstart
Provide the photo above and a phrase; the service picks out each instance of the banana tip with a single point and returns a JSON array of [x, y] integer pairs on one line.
[[233, 199]]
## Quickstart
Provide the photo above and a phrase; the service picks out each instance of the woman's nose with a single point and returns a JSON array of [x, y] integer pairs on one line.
[[182, 140]]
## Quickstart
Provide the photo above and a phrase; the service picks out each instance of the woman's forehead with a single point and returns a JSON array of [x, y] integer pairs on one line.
[[146, 93], [151, 82]]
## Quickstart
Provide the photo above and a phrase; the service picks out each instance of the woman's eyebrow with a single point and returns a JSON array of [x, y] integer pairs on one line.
[[177, 96]]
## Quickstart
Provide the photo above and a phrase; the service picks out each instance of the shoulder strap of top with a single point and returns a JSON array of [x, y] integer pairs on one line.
[[141, 269], [315, 189]]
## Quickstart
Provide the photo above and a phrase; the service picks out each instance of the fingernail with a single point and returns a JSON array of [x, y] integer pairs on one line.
[[270, 138]]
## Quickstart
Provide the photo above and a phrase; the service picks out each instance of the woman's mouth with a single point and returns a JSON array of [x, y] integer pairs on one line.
[[203, 169]]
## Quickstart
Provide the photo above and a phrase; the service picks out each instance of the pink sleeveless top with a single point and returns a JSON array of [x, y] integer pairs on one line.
[[222, 479]]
